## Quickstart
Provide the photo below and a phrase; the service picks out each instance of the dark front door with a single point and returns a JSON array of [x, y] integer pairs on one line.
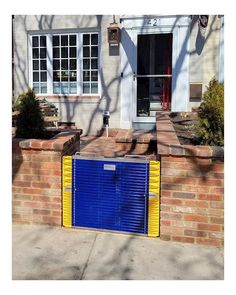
[[154, 72]]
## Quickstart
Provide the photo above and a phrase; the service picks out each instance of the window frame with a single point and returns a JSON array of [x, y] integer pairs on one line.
[[49, 58]]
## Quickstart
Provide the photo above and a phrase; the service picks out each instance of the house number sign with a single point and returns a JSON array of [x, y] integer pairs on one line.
[[153, 22]]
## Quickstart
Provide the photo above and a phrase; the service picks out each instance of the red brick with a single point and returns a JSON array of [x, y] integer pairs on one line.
[[41, 184], [210, 197], [183, 195], [32, 204], [51, 205], [209, 227], [183, 239], [217, 190], [41, 212], [36, 143], [41, 198], [33, 191], [209, 242], [191, 203], [217, 220], [166, 222], [218, 167], [16, 189], [171, 216], [56, 213], [22, 197], [219, 175], [165, 237], [194, 233], [217, 205], [211, 182], [165, 193], [168, 186], [21, 183], [54, 220], [197, 218], [57, 199], [171, 201]]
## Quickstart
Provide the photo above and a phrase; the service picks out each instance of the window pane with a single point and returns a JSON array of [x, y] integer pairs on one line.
[[73, 76], [43, 41], [86, 40], [86, 51], [35, 76], [43, 65], [64, 52], [94, 75], [86, 64], [56, 88], [55, 40], [56, 52], [56, 64], [73, 64], [64, 64], [94, 39], [73, 88], [64, 88], [94, 63], [73, 52], [43, 52], [86, 88], [64, 75], [72, 40], [86, 75], [64, 40], [35, 53], [36, 87], [43, 76], [94, 51], [94, 88], [35, 65], [56, 76], [44, 88], [35, 41]]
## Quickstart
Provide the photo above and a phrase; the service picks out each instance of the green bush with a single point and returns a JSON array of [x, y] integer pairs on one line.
[[210, 125], [29, 122]]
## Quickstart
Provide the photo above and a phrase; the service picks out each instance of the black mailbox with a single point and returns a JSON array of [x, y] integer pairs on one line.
[[113, 35], [106, 116]]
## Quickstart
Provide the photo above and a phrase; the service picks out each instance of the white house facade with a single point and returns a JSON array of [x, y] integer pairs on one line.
[[157, 63]]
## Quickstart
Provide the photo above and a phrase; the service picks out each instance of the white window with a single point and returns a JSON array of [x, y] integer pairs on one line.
[[90, 63], [39, 63], [65, 63]]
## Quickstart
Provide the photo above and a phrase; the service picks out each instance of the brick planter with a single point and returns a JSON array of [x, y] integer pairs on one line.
[[192, 189], [36, 183]]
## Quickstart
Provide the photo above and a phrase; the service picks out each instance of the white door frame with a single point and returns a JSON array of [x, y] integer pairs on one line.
[[133, 26]]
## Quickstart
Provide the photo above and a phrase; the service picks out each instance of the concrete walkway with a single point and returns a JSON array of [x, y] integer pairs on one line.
[[50, 253]]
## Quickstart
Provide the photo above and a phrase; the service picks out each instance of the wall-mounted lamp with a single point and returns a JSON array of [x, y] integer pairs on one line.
[[113, 33]]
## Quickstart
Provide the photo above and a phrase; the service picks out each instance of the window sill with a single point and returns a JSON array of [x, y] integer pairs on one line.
[[70, 97]]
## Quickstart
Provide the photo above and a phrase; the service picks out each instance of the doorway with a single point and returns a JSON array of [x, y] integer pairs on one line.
[[154, 74]]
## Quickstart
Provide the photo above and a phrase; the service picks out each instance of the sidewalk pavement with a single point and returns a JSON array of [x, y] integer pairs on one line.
[[54, 253]]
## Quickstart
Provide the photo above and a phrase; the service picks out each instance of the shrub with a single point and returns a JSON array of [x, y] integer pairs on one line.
[[29, 122], [210, 125]]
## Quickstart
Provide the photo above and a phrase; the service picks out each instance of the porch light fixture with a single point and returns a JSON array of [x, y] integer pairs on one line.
[[113, 33]]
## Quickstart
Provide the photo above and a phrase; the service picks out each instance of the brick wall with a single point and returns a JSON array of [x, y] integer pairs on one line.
[[192, 190], [36, 183]]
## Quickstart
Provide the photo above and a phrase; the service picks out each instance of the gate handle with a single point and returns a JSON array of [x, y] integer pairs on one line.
[[135, 156]]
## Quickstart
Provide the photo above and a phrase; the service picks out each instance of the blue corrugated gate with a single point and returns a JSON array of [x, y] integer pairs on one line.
[[110, 194]]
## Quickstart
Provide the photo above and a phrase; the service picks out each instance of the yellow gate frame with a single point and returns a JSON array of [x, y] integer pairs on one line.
[[154, 199], [67, 191]]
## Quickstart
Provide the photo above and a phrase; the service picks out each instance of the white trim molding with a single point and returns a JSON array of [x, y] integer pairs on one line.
[[131, 27]]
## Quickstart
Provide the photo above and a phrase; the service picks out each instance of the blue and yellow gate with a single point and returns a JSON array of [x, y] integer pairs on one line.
[[111, 194]]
